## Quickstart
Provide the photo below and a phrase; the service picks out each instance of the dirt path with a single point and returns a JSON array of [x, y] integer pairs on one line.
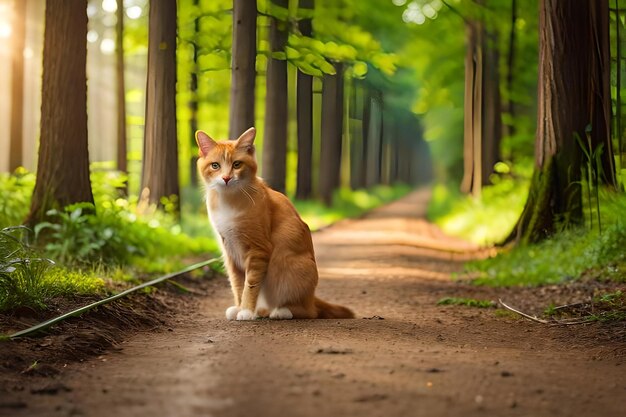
[[421, 359]]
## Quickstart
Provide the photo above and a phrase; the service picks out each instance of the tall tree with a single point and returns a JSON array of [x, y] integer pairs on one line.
[[193, 98], [122, 164], [482, 123], [275, 137], [374, 142], [600, 93], [243, 67], [510, 65], [160, 154], [304, 109], [356, 123], [360, 179], [566, 106], [332, 126], [17, 85], [63, 163]]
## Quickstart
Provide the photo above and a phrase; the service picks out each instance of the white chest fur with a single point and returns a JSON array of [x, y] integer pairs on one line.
[[225, 220]]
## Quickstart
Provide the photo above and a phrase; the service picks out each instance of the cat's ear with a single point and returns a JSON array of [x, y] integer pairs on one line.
[[205, 142], [246, 140]]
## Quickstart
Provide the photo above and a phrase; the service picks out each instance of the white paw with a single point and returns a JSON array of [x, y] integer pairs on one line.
[[245, 314], [231, 312], [282, 313]]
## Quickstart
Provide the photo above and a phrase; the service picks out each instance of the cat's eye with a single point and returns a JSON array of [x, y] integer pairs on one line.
[[237, 164], [215, 165]]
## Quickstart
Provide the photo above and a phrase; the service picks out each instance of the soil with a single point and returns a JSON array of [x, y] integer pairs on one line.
[[404, 355]]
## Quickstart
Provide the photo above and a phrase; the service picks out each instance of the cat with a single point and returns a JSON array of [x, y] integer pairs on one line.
[[267, 248]]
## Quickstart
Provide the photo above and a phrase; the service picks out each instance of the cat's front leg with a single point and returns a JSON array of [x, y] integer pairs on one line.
[[237, 279], [256, 269]]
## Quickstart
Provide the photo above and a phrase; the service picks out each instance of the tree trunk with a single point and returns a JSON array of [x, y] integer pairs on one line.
[[567, 55], [17, 85], [193, 102], [356, 137], [473, 110], [510, 64], [600, 93], [63, 163], [160, 160], [275, 138], [492, 108], [365, 129], [243, 67], [332, 123], [483, 125], [304, 116], [374, 134], [122, 164]]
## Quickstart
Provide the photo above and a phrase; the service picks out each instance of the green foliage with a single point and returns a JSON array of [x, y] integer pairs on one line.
[[485, 220], [113, 232], [565, 256], [15, 191], [28, 280], [468, 302]]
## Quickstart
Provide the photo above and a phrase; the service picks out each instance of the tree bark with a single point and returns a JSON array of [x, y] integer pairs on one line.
[[492, 108], [275, 138], [122, 164], [242, 95], [565, 94], [160, 160], [304, 93], [472, 108], [332, 124], [17, 85], [482, 124], [374, 134], [361, 182], [63, 162], [600, 96], [510, 64], [193, 102], [356, 136]]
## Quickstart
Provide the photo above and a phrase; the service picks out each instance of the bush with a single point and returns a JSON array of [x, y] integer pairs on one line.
[[28, 280], [16, 191]]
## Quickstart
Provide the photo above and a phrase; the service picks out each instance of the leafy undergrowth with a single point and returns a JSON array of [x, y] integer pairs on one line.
[[566, 256], [588, 253], [484, 220]]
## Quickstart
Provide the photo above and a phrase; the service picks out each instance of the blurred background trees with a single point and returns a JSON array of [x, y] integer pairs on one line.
[[345, 94]]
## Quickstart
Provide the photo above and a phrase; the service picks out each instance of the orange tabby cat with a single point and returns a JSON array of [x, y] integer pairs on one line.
[[267, 248]]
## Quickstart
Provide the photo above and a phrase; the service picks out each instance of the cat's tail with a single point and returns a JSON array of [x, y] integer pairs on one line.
[[332, 311]]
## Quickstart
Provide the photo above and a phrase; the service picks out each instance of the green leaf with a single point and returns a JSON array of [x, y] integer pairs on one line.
[[359, 69], [291, 53], [326, 67], [279, 55], [309, 69]]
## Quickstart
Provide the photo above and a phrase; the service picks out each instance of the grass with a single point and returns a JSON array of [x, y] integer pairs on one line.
[[565, 256], [485, 220], [468, 302], [29, 280], [603, 307]]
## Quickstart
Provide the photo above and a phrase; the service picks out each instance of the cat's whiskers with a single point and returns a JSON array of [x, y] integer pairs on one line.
[[243, 189]]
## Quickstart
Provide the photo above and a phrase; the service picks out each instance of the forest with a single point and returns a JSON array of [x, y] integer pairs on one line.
[[486, 137]]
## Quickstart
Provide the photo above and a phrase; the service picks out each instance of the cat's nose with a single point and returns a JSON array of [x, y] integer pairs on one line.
[[226, 179]]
